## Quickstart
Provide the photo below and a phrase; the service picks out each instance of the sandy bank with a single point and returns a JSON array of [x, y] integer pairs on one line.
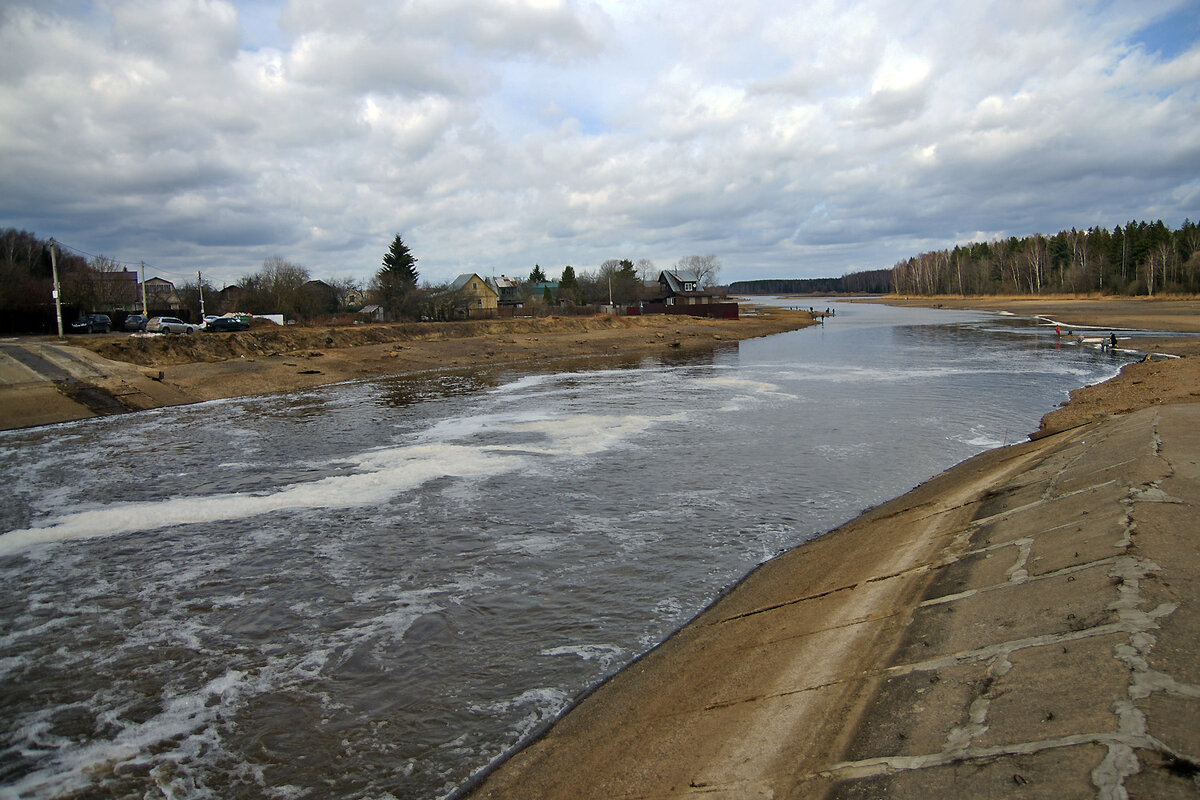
[[44, 380], [1023, 625]]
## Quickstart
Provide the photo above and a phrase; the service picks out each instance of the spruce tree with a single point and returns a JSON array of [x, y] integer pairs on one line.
[[395, 285], [400, 263]]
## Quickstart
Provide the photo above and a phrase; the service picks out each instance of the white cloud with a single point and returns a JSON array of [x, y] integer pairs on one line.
[[790, 139]]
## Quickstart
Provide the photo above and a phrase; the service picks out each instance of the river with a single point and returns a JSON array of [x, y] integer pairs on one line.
[[375, 589]]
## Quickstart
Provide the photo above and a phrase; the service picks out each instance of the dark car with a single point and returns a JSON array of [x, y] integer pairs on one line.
[[136, 322], [221, 324], [90, 323]]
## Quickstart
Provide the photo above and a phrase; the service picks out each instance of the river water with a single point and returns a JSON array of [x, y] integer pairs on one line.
[[375, 589]]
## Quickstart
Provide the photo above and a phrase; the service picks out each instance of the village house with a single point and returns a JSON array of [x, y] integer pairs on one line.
[[322, 297], [508, 290], [161, 295], [682, 289], [116, 291], [353, 299], [476, 296]]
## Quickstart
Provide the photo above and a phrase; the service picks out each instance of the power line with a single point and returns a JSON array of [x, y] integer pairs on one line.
[[134, 265]]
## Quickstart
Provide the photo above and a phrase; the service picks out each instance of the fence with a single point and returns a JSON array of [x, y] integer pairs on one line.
[[714, 310]]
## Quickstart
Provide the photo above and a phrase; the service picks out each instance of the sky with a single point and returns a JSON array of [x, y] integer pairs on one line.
[[790, 139]]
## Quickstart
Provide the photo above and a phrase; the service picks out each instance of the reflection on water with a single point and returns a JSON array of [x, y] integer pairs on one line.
[[374, 589]]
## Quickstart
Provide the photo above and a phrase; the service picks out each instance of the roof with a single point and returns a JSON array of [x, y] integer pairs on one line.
[[462, 280], [503, 282], [676, 280]]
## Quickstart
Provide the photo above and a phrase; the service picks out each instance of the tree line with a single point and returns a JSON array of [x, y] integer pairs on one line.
[[283, 287], [878, 281], [1138, 259], [100, 283], [396, 286]]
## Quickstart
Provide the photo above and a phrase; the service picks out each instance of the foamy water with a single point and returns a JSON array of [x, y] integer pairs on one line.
[[374, 590]]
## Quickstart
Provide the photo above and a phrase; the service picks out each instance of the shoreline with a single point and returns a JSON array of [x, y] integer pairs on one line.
[[1024, 622], [1027, 618], [44, 380]]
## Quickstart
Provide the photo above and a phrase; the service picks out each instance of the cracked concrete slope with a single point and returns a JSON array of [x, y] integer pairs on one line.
[[47, 382], [1021, 626]]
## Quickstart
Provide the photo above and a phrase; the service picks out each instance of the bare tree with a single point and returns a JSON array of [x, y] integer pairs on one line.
[[618, 281], [276, 288], [705, 268], [646, 270]]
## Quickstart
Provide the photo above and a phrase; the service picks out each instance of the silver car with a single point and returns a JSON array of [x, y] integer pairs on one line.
[[169, 325]]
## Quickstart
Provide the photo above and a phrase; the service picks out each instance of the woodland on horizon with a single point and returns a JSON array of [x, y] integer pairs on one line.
[[1139, 259]]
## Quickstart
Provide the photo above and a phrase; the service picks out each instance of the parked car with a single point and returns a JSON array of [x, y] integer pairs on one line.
[[221, 324], [169, 325], [90, 323], [136, 322]]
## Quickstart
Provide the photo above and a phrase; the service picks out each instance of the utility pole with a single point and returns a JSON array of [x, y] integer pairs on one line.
[[200, 289], [57, 293], [144, 312]]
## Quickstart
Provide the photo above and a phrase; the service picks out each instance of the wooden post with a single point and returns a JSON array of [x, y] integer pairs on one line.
[[57, 293]]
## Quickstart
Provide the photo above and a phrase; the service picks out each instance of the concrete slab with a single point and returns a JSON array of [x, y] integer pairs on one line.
[[913, 714], [1162, 778], [1056, 691], [1037, 608], [1057, 774]]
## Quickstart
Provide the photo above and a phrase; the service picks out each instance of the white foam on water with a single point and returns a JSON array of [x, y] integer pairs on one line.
[[183, 718], [585, 434], [525, 383], [548, 434], [544, 703], [383, 475], [533, 544], [604, 653], [977, 436], [753, 388]]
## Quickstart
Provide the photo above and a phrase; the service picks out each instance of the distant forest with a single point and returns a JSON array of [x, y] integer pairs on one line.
[[877, 281], [1139, 259]]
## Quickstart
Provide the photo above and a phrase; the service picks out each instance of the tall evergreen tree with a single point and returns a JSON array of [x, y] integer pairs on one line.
[[395, 284], [537, 275], [400, 262]]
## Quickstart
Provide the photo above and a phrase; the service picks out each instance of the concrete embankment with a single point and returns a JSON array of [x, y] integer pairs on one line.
[[1024, 625]]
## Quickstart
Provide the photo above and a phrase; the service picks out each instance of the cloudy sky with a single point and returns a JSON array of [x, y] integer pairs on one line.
[[791, 139]]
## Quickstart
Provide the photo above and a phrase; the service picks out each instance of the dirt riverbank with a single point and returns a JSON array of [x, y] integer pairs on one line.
[[45, 380], [1026, 624]]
